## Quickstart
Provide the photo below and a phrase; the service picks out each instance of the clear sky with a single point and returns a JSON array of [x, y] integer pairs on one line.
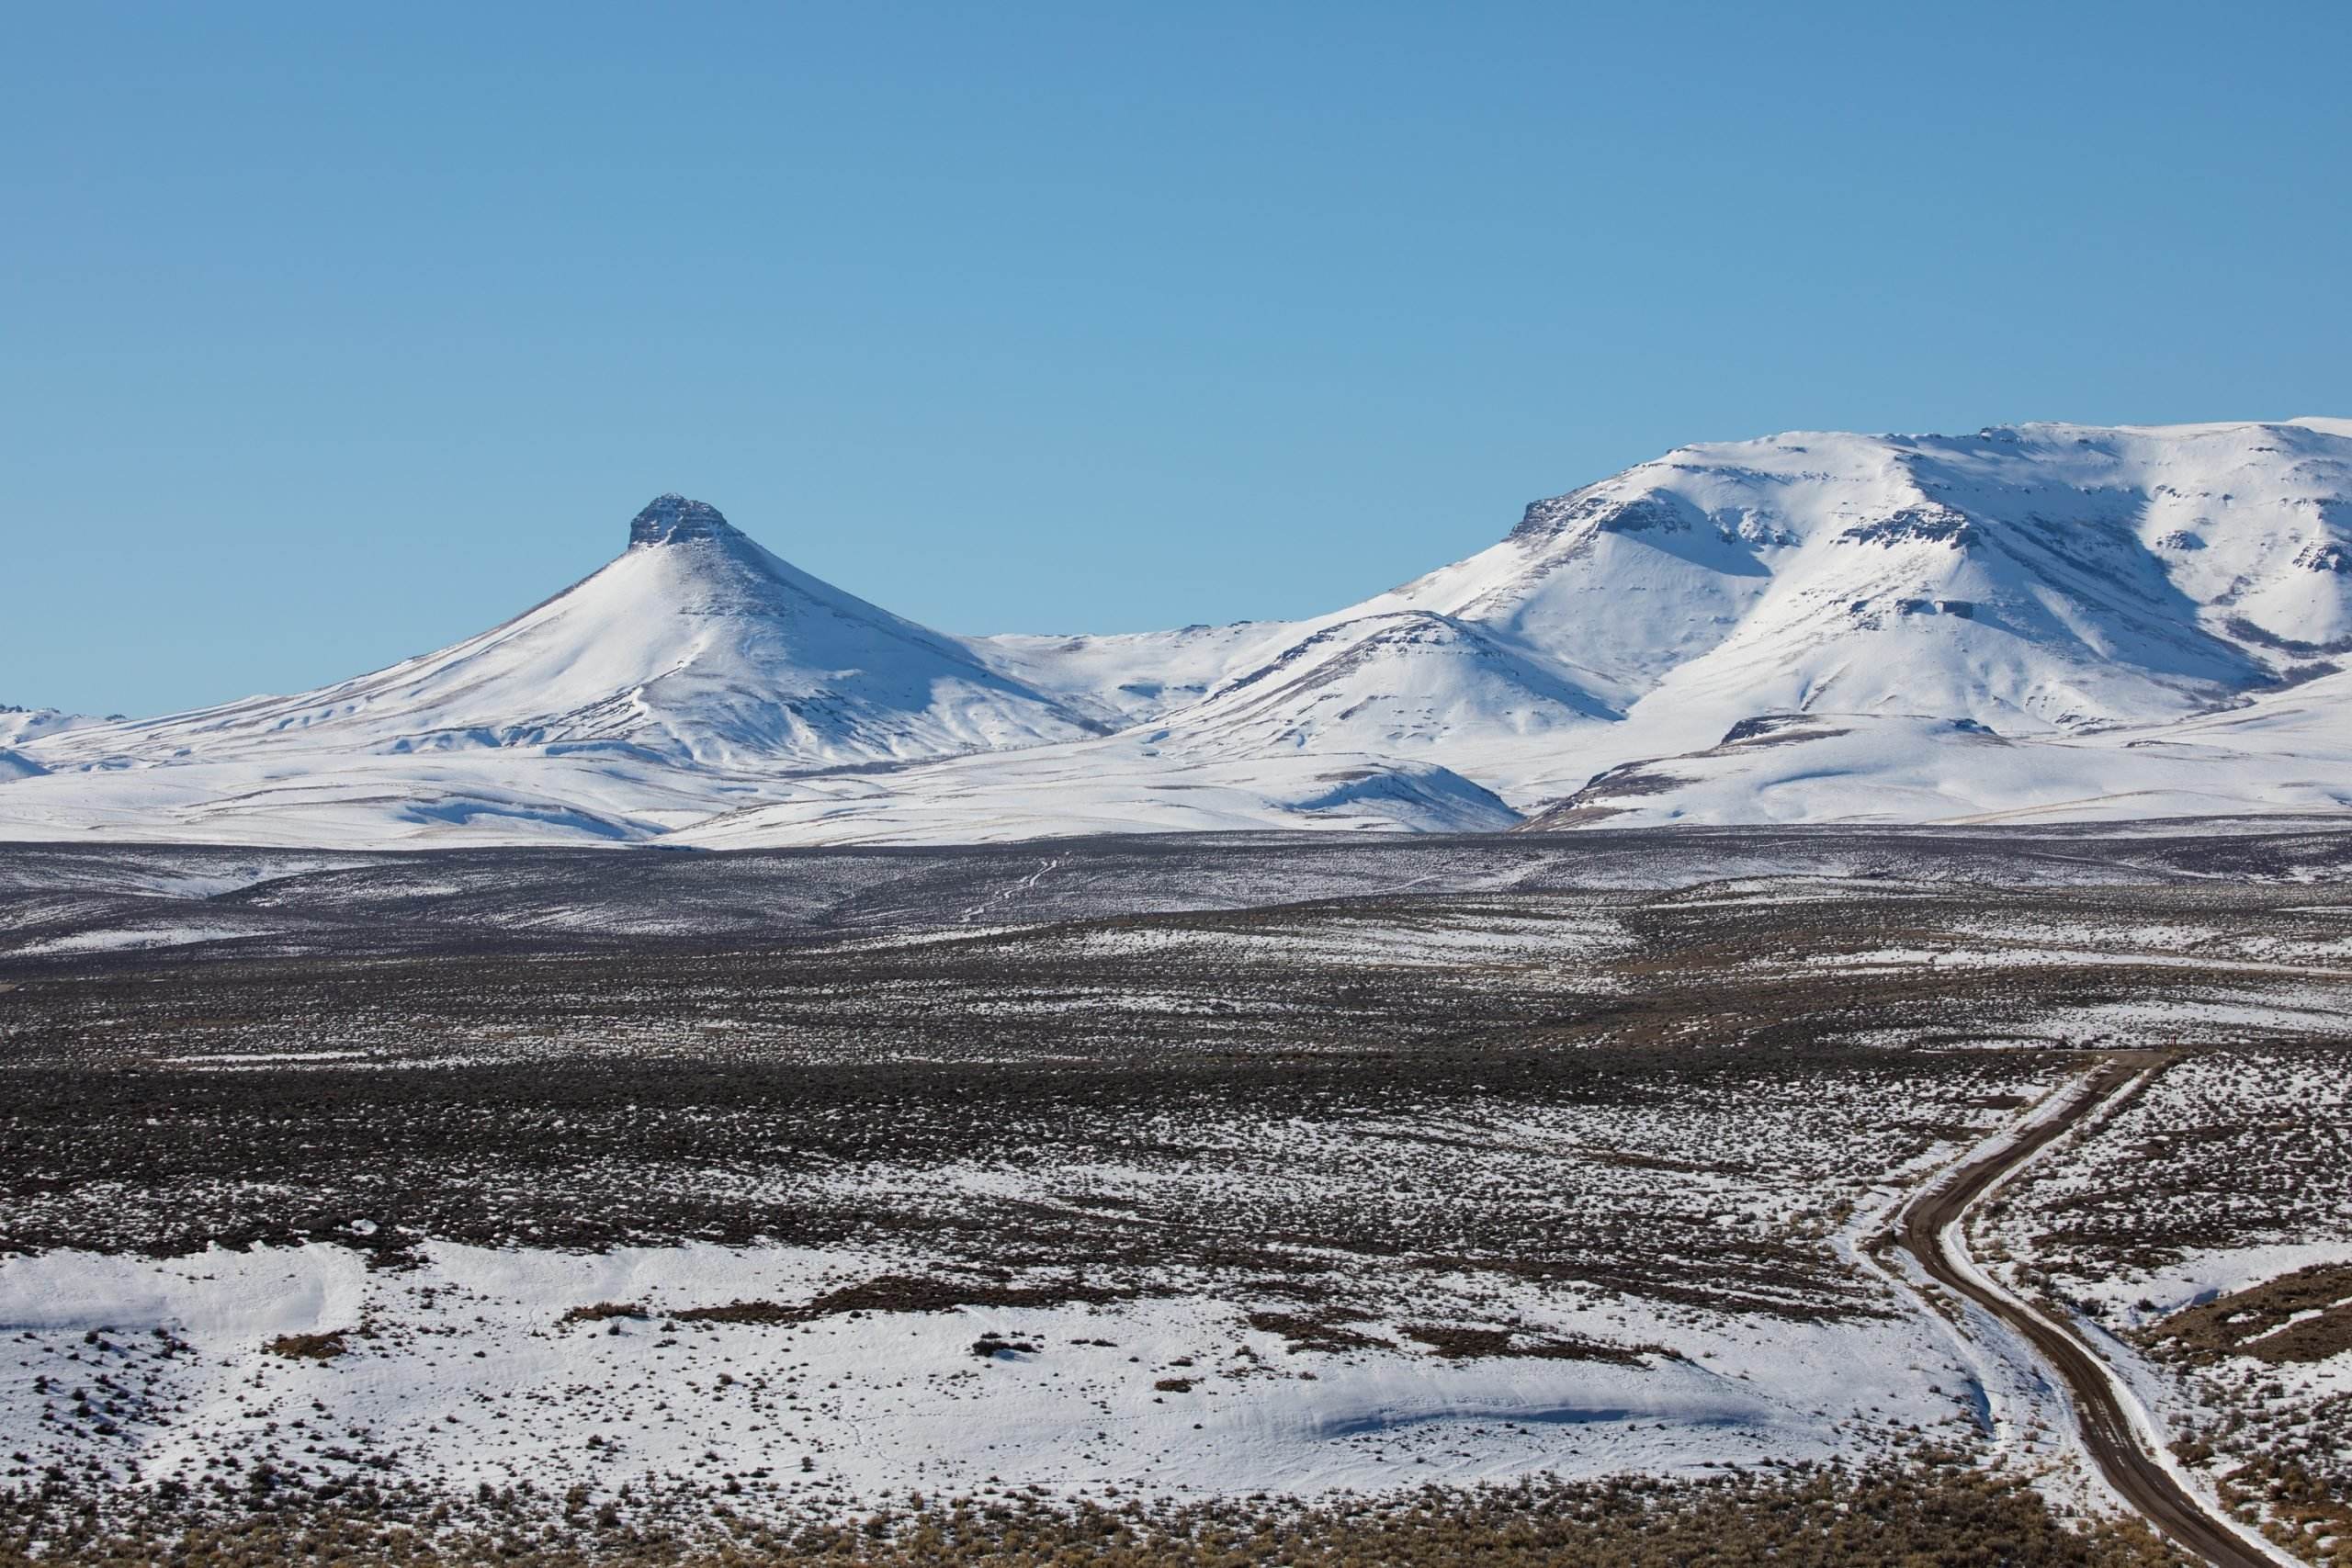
[[332, 333]]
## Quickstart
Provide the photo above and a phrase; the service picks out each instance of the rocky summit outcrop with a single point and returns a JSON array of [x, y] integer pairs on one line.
[[672, 518]]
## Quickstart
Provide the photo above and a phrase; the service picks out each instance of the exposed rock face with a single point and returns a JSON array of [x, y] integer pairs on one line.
[[2325, 555], [1929, 523], [668, 519], [1549, 516], [1651, 511]]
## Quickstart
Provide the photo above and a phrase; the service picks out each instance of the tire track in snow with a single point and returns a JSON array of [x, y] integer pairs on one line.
[[969, 916]]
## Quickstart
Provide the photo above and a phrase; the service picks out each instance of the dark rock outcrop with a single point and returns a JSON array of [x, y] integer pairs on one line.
[[668, 519]]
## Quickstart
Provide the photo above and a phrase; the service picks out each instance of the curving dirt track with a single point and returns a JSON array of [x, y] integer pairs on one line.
[[1926, 1229]]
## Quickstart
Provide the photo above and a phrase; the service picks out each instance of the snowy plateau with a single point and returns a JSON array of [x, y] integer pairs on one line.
[[2045, 622]]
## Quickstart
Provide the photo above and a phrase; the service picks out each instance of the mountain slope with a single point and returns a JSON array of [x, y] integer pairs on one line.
[[1393, 683], [1125, 677], [1859, 768], [1122, 784]]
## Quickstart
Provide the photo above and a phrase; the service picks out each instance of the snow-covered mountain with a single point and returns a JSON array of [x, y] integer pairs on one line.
[[696, 676], [2049, 579], [696, 647], [2037, 620]]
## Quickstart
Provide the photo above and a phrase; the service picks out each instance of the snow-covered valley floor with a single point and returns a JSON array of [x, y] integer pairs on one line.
[[500, 1367]]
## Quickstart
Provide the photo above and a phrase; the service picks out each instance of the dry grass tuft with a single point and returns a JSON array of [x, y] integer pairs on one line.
[[601, 1312], [308, 1347]]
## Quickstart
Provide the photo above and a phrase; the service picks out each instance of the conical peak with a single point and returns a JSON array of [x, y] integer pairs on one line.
[[670, 518]]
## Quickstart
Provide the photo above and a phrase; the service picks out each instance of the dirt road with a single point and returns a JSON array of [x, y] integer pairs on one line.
[[1928, 1229]]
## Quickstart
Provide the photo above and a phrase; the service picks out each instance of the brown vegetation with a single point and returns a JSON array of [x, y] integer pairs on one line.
[[908, 1293], [308, 1347], [1456, 1341], [603, 1311], [2267, 1322], [1944, 1518]]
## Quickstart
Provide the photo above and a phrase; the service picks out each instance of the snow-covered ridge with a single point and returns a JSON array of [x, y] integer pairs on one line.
[[19, 725], [2041, 619]]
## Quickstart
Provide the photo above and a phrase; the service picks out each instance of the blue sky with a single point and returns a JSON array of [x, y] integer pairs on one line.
[[328, 334]]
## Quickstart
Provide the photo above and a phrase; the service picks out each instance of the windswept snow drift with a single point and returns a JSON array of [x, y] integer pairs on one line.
[[2289, 752], [2048, 620]]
